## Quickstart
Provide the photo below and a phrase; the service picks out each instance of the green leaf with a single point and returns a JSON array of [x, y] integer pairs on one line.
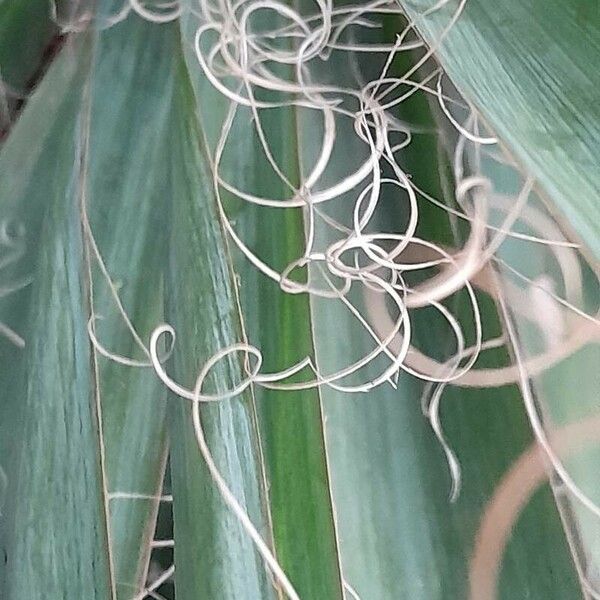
[[57, 542], [528, 67], [290, 424], [214, 556], [127, 202], [546, 326], [400, 537], [90, 124]]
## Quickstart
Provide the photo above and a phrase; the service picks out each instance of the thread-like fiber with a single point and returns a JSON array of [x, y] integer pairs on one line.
[[244, 63]]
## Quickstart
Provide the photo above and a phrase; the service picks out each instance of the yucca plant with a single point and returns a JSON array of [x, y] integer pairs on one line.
[[299, 299]]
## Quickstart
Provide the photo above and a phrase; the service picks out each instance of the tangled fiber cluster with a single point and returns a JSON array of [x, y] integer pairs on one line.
[[347, 85]]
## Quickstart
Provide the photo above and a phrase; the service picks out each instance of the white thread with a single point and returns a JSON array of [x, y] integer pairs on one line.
[[243, 64]]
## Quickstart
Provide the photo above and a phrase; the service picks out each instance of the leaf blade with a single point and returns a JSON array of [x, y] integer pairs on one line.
[[526, 68], [214, 556], [121, 162], [290, 423]]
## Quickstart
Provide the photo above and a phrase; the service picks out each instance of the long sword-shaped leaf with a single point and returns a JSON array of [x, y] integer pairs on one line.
[[400, 536], [57, 541], [214, 556], [565, 393], [22, 168], [290, 423], [528, 66], [120, 180], [132, 86]]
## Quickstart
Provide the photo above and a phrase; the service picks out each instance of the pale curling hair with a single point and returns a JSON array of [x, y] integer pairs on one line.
[[244, 65]]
